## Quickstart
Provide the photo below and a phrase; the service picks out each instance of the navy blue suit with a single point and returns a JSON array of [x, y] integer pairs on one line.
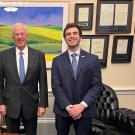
[[68, 90]]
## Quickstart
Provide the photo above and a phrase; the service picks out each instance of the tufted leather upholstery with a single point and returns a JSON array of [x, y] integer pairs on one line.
[[110, 119], [107, 102]]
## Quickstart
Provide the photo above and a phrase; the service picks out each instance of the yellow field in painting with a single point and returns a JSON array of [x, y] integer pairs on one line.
[[50, 33], [49, 57]]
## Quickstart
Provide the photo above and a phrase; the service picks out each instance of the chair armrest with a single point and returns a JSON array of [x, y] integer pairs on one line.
[[124, 118], [98, 127]]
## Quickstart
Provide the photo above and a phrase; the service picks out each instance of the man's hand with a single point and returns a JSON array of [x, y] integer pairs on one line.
[[76, 110], [41, 111], [3, 109], [77, 117]]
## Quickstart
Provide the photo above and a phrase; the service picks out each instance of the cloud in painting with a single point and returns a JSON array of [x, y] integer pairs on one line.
[[10, 9]]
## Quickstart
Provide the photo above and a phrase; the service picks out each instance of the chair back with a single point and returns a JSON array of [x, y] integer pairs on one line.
[[105, 103]]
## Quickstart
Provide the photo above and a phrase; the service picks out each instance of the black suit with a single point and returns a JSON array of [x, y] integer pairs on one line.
[[25, 96], [68, 90]]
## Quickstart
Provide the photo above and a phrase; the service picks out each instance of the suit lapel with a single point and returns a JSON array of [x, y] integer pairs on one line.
[[13, 62], [81, 62], [30, 61], [68, 63]]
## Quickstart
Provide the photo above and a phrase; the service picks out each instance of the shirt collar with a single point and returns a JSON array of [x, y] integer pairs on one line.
[[25, 50], [71, 52]]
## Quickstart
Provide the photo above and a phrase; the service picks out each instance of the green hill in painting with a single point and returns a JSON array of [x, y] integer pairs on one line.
[[45, 38]]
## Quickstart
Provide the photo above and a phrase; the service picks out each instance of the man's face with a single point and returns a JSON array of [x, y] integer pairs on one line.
[[20, 37], [72, 37]]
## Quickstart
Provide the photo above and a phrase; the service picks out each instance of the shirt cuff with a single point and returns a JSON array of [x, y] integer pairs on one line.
[[84, 104], [68, 107]]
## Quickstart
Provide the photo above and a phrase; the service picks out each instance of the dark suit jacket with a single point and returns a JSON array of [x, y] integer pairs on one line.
[[68, 90], [14, 94]]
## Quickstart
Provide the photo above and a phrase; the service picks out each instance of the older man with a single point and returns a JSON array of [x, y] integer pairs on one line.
[[21, 70]]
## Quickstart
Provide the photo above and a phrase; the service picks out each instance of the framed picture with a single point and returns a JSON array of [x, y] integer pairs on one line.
[[84, 15], [98, 45], [85, 43], [114, 16], [122, 49], [45, 21]]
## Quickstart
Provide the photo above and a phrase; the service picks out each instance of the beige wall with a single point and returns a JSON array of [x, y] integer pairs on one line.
[[120, 77]]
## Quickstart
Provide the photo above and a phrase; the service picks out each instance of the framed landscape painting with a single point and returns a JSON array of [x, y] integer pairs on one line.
[[45, 21]]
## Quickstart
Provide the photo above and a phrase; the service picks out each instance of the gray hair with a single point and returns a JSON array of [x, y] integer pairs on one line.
[[20, 24]]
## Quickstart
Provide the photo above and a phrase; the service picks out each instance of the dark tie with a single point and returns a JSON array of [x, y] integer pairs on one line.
[[21, 67], [74, 63]]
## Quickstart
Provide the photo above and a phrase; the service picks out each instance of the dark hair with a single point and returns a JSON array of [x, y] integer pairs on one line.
[[72, 25]]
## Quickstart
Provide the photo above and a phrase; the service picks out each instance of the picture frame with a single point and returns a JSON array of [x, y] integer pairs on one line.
[[84, 15], [114, 16], [45, 34], [85, 43], [122, 49], [98, 45]]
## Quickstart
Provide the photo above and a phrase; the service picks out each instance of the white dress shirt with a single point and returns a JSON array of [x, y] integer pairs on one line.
[[25, 57], [77, 56]]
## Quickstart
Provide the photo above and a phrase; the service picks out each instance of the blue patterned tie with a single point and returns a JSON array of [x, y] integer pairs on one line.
[[74, 63], [21, 67]]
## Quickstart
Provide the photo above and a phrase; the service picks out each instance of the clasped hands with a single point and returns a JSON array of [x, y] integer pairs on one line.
[[75, 111]]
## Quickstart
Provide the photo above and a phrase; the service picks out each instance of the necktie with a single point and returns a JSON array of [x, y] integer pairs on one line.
[[74, 63], [21, 67]]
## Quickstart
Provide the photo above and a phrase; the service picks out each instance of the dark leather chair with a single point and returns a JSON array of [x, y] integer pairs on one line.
[[110, 119]]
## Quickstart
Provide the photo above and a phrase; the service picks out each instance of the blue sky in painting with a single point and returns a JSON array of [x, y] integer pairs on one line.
[[33, 16]]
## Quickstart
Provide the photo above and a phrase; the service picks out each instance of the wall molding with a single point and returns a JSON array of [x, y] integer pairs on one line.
[[118, 92], [125, 92], [46, 120]]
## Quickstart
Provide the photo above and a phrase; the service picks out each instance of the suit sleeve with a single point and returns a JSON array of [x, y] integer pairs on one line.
[[57, 90], [96, 84], [43, 83], [1, 81]]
